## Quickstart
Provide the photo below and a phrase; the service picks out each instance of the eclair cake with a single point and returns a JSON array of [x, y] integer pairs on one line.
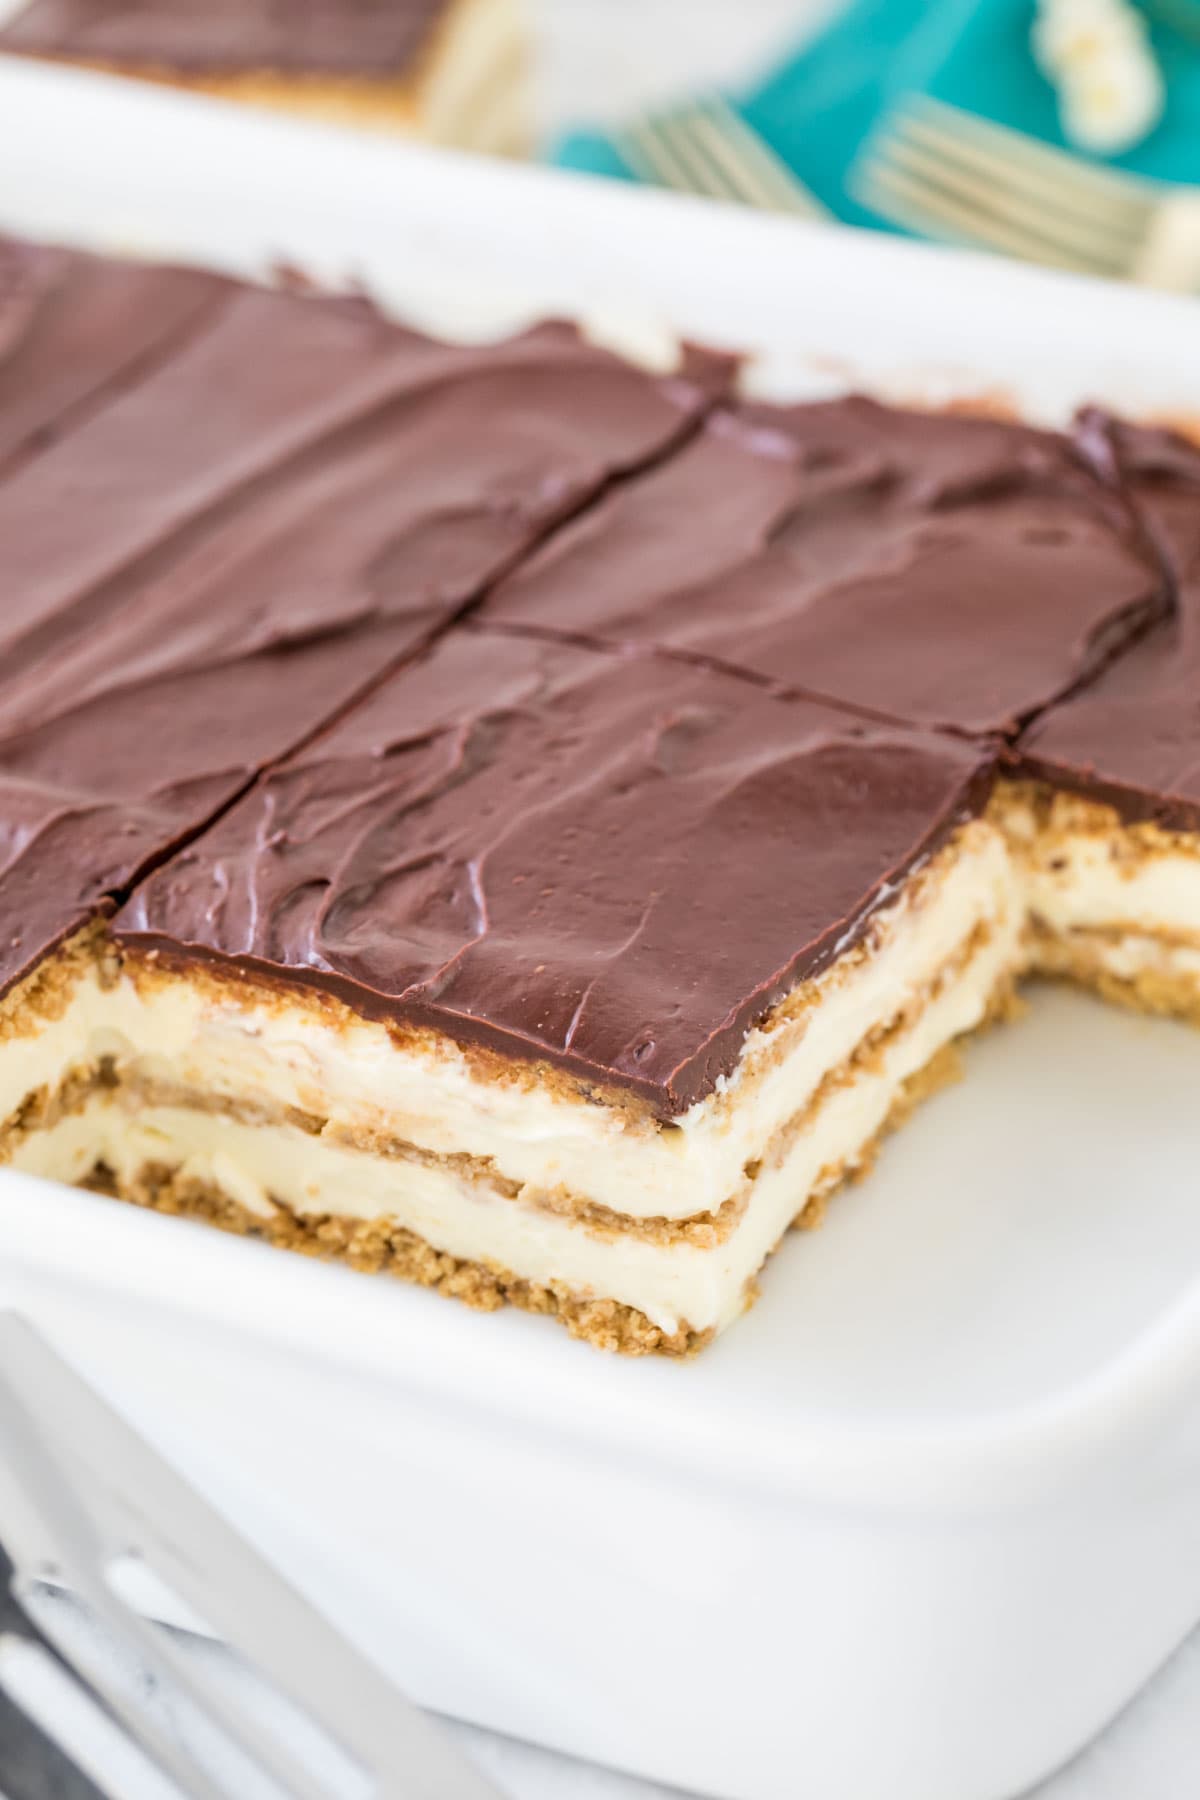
[[530, 824]]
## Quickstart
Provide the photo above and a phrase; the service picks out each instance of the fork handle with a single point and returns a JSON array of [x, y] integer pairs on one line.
[[1170, 254]]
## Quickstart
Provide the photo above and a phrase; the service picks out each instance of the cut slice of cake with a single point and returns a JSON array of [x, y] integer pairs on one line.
[[543, 976], [452, 71]]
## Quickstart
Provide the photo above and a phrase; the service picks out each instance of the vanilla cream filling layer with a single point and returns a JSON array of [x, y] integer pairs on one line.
[[673, 1283], [276, 1051], [1139, 903], [1129, 957], [1090, 882]]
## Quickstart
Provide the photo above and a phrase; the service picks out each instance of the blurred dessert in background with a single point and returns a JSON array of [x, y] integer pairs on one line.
[[450, 71]]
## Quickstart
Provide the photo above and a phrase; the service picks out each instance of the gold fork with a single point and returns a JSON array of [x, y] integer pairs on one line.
[[946, 174], [707, 148]]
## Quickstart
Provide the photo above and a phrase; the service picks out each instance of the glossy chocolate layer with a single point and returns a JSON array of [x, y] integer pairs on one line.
[[1133, 739], [67, 339], [942, 570], [224, 513], [346, 37], [483, 687], [616, 865]]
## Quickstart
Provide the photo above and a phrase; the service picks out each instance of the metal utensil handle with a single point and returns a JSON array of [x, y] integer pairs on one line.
[[32, 1765], [84, 1489]]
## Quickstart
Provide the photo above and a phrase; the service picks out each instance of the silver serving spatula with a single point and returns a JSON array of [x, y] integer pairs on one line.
[[81, 1494]]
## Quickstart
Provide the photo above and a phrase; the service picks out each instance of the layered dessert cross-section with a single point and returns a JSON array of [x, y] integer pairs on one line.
[[521, 822], [545, 976], [452, 71], [1103, 810]]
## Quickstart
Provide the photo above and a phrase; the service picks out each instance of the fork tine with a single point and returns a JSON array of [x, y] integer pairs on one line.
[[654, 153], [927, 210], [690, 144], [1105, 187], [641, 146], [999, 208], [1079, 205], [747, 154], [707, 149], [744, 180]]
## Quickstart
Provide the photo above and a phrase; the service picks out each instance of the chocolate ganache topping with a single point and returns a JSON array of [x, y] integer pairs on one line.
[[613, 865], [515, 693], [338, 37], [224, 513], [1132, 739], [942, 570]]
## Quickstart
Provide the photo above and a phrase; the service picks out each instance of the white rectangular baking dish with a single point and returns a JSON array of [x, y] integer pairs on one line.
[[921, 1524]]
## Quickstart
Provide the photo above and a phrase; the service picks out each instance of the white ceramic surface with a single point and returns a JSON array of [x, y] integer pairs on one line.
[[926, 1520]]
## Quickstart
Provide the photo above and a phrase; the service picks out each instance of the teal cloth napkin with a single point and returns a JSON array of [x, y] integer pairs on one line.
[[817, 110]]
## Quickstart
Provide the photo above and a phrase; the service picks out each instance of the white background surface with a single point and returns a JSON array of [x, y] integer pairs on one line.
[[602, 55]]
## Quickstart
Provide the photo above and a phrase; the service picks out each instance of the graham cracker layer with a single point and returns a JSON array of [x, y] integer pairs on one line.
[[149, 970], [771, 1043], [1040, 822], [42, 1109], [1082, 958], [137, 1090], [944, 1068], [1044, 826], [47, 992], [786, 1024], [381, 1246]]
